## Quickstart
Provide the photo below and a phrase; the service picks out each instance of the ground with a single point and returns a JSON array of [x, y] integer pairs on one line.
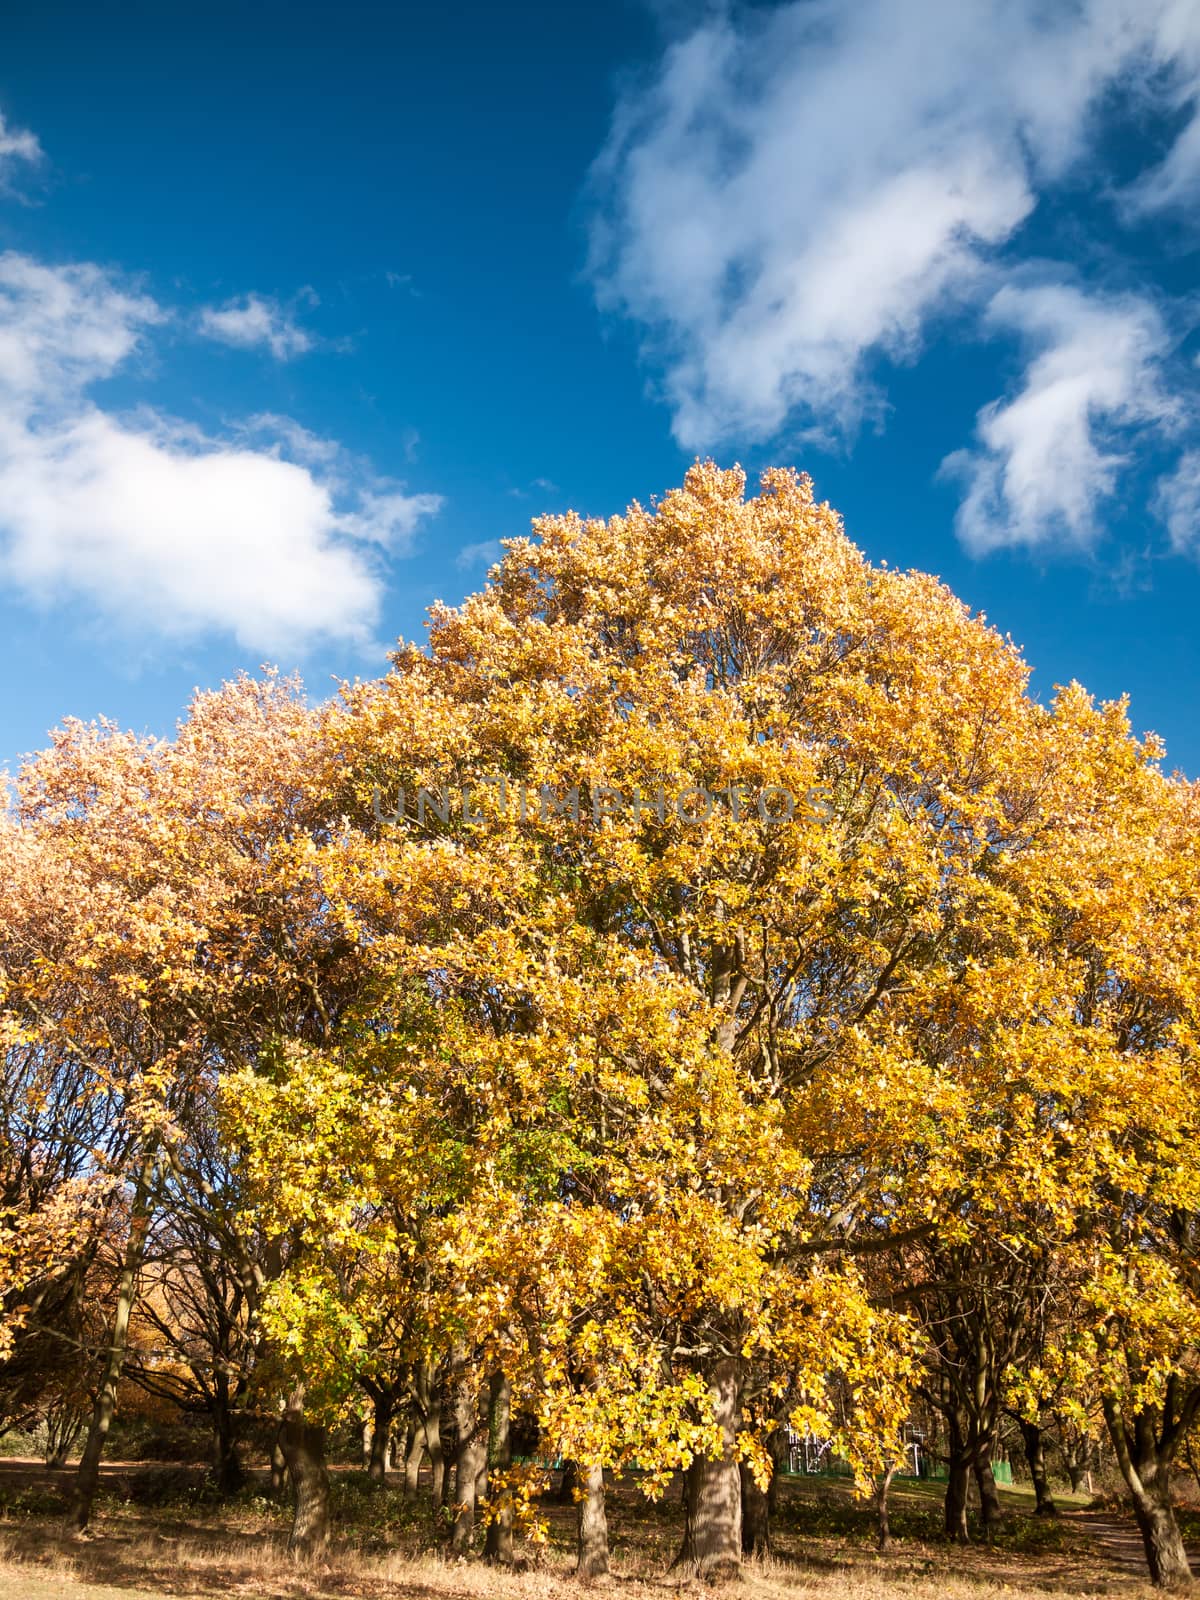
[[159, 1533]]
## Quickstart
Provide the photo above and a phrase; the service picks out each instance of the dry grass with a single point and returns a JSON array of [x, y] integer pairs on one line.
[[187, 1549]]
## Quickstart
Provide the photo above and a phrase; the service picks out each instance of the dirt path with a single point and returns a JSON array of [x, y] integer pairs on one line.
[[1118, 1537]]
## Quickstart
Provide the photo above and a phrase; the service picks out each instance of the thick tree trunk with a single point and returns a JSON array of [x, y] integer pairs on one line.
[[1145, 1460], [712, 1534], [470, 1459], [304, 1451], [380, 1457], [884, 1532], [957, 1479], [1035, 1454], [593, 1526], [498, 1547], [990, 1510], [958, 1474], [87, 1475], [1165, 1553], [756, 1515]]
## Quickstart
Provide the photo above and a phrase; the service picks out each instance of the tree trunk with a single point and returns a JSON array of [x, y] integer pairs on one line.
[[990, 1510], [756, 1515], [593, 1526], [958, 1476], [881, 1506], [304, 1451], [470, 1458], [958, 1473], [1035, 1454], [87, 1475], [712, 1533], [64, 1424], [1076, 1454], [498, 1547], [380, 1458], [227, 1464], [1145, 1460], [427, 1392], [1165, 1553], [437, 1456], [414, 1454], [278, 1463]]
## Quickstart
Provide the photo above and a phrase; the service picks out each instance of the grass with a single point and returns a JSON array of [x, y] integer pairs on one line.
[[159, 1532]]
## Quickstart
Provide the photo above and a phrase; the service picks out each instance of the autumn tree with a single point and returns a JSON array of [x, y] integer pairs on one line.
[[870, 744]]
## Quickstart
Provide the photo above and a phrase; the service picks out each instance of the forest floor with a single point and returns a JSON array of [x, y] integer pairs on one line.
[[158, 1532]]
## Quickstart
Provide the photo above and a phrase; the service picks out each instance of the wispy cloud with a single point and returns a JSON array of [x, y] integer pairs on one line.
[[257, 321], [1048, 456], [269, 533], [798, 191], [484, 554], [18, 147], [1177, 502]]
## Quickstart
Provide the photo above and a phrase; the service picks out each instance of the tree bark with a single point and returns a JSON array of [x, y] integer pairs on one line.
[[303, 1447], [593, 1526], [380, 1457], [1145, 1460], [87, 1475], [428, 1397], [712, 1533], [756, 1515], [990, 1510], [437, 1455], [1166, 1555], [227, 1463], [470, 1459], [1035, 1454], [498, 1546], [884, 1532], [414, 1454], [957, 1479]]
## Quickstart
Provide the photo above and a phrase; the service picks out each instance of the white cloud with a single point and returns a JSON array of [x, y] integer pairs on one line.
[[1178, 504], [16, 145], [1175, 50], [62, 328], [800, 190], [256, 320], [155, 524], [1046, 459], [484, 554]]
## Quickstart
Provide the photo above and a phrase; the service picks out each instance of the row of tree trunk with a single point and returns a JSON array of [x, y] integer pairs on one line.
[[726, 1512]]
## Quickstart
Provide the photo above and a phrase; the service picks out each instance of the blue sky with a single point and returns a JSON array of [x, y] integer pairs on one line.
[[303, 307]]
